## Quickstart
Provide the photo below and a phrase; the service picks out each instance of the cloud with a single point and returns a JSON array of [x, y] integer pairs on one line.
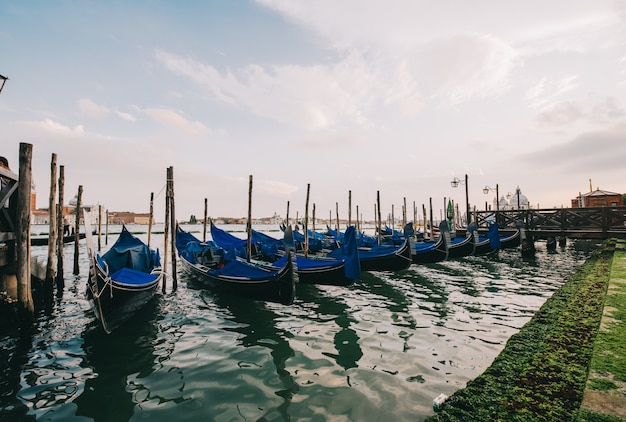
[[55, 128], [546, 92], [91, 109], [598, 111], [125, 116], [170, 118], [600, 151]]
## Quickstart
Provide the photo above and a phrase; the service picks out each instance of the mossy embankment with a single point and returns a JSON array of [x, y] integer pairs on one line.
[[542, 372]]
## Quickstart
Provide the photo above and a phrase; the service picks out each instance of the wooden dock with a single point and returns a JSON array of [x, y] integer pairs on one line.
[[577, 223]]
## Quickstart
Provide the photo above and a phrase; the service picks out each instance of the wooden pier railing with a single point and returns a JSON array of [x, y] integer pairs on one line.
[[586, 223]]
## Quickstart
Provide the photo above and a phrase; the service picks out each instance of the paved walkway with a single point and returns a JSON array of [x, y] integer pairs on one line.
[[608, 364]]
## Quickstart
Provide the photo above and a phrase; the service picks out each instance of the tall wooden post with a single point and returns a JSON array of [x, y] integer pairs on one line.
[[166, 228], [52, 231], [313, 218], [379, 217], [106, 228], [349, 208], [204, 220], [249, 222], [150, 217], [77, 228], [60, 280], [99, 227], [173, 228], [287, 217], [22, 242], [337, 215], [426, 233], [306, 221], [432, 228]]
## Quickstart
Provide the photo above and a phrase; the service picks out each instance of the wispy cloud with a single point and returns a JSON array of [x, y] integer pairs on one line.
[[55, 128], [177, 121]]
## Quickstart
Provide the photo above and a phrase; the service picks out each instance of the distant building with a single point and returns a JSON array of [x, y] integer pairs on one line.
[[125, 217], [597, 198], [518, 201]]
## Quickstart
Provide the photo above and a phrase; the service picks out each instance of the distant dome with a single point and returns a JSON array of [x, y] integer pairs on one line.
[[503, 203], [523, 201], [74, 200]]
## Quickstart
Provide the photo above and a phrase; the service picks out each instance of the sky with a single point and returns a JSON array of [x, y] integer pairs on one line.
[[343, 98]]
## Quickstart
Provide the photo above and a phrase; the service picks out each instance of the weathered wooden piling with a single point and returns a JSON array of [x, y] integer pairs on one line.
[[79, 199], [22, 231], [59, 279], [204, 220], [306, 221], [150, 217], [432, 232], [173, 227], [166, 228], [349, 208], [379, 227], [52, 223], [249, 221], [99, 227]]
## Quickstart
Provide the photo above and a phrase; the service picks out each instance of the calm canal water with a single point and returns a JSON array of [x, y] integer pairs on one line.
[[379, 350]]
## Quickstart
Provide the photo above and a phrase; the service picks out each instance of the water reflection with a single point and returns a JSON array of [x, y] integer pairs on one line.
[[116, 359], [325, 307]]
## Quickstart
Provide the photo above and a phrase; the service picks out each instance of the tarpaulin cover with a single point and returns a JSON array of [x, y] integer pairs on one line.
[[130, 252]]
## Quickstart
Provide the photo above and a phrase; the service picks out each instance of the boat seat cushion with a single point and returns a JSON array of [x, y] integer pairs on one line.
[[130, 276]]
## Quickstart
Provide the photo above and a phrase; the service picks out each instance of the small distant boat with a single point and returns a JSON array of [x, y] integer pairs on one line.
[[43, 240], [122, 280]]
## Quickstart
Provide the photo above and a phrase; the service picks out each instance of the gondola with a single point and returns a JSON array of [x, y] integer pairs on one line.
[[511, 240], [122, 280], [462, 246], [430, 252], [491, 243], [208, 263], [43, 241], [382, 257], [311, 269]]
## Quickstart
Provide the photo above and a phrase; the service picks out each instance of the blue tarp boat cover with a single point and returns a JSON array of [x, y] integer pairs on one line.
[[494, 236], [130, 252]]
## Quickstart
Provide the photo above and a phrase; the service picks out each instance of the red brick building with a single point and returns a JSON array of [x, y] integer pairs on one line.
[[597, 198]]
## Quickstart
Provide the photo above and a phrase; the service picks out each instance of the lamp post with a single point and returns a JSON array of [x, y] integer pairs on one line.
[[3, 79], [455, 183], [488, 189]]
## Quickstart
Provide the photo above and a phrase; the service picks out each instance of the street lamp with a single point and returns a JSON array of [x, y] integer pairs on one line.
[[488, 189], [455, 183], [3, 79]]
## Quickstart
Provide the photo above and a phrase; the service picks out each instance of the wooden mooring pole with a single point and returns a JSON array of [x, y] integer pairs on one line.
[[99, 227], [204, 220], [77, 228], [59, 280], [249, 222], [150, 217], [52, 231], [166, 226], [173, 226], [22, 235]]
